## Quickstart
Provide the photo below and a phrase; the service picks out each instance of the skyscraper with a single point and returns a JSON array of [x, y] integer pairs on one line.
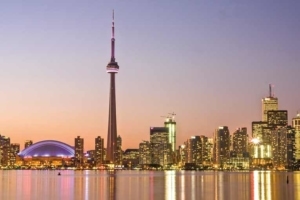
[[79, 146], [296, 125], [221, 146], [161, 149], [277, 118], [269, 103], [145, 153], [112, 68], [240, 141], [119, 152], [99, 150], [171, 125]]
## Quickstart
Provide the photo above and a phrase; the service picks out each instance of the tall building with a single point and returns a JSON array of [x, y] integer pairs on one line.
[[99, 150], [28, 143], [296, 125], [79, 147], [161, 149], [269, 103], [291, 150], [279, 147], [145, 153], [257, 130], [240, 141], [119, 152], [112, 68], [221, 146], [194, 150], [170, 123], [206, 148], [4, 150], [277, 118]]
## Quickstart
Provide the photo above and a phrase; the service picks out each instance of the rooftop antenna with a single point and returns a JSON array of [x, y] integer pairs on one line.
[[270, 90]]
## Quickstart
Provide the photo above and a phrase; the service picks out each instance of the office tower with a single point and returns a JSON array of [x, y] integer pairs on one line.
[[221, 146], [206, 147], [28, 143], [130, 158], [296, 125], [279, 147], [194, 150], [182, 152], [112, 68], [145, 153], [4, 150], [277, 118], [210, 146], [119, 152], [79, 147], [269, 103], [240, 141], [161, 149], [291, 150], [257, 130], [99, 146], [170, 123]]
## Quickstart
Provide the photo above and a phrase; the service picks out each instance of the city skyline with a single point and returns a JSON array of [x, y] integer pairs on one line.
[[209, 63]]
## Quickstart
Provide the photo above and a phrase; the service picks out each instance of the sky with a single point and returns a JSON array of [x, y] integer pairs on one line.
[[210, 62]]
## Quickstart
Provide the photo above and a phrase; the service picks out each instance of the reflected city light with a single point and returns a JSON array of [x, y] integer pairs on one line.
[[170, 185], [262, 185]]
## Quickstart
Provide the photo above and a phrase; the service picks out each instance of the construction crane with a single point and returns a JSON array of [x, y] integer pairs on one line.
[[173, 115]]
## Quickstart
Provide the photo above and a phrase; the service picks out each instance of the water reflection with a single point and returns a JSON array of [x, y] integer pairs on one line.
[[153, 185]]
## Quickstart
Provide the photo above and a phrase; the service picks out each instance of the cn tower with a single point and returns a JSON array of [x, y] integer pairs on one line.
[[112, 68]]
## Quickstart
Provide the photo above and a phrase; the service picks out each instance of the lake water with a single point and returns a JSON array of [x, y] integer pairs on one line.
[[153, 185]]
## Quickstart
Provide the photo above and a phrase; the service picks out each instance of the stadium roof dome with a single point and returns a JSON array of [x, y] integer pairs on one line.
[[48, 148]]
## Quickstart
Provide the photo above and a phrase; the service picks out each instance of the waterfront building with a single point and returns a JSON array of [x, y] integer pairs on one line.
[[46, 154], [131, 158], [161, 149], [99, 150], [194, 150], [28, 143], [296, 125], [79, 148], [279, 147], [221, 151], [90, 157], [240, 141], [182, 155], [291, 148], [170, 123], [119, 152], [206, 148], [4, 150], [112, 68], [145, 153], [260, 146], [269, 103]]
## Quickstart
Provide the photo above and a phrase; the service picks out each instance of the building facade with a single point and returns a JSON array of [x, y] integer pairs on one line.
[[221, 146], [99, 150], [79, 148], [296, 125]]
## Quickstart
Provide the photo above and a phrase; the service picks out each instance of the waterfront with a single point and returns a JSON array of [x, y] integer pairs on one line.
[[92, 184]]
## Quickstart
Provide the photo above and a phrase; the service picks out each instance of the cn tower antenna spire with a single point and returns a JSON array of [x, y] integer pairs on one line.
[[113, 24], [113, 38]]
